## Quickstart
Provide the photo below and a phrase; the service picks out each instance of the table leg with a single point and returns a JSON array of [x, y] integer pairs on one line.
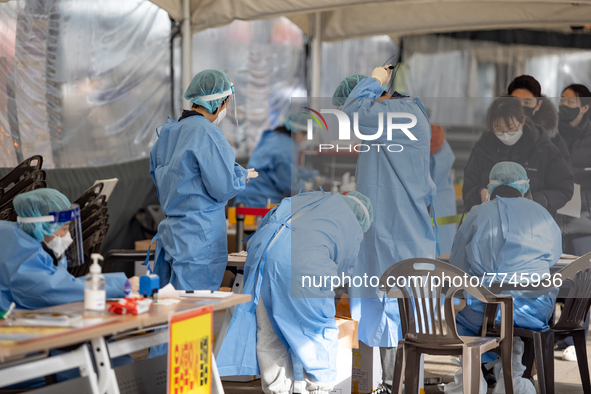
[[79, 358], [216, 381], [107, 381], [236, 288]]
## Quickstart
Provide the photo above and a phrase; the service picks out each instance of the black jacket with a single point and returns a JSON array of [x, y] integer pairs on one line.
[[551, 180], [578, 141], [546, 119]]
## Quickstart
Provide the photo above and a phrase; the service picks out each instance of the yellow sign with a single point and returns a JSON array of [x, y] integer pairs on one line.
[[189, 352]]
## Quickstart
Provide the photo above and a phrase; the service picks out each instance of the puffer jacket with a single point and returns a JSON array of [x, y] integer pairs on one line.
[[551, 179], [578, 141]]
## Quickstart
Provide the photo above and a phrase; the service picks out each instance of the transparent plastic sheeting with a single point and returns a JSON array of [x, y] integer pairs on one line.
[[84, 83], [463, 119], [265, 60], [437, 66], [335, 148], [343, 58]]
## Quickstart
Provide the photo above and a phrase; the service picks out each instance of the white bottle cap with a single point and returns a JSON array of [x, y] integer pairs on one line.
[[95, 267]]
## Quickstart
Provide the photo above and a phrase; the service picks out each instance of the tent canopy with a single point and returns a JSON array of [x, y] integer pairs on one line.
[[343, 19]]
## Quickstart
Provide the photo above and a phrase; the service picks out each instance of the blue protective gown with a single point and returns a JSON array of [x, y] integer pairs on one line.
[[194, 170], [323, 238], [512, 236], [400, 189], [444, 202], [29, 278], [275, 158]]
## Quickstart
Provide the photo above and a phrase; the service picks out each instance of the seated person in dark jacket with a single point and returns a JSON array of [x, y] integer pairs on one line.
[[575, 128], [511, 136], [539, 109]]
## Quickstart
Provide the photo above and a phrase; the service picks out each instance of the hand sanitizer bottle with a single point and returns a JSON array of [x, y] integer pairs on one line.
[[94, 287]]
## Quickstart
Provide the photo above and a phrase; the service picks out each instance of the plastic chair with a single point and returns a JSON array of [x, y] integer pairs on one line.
[[8, 214], [94, 217], [25, 181], [33, 186], [29, 165], [576, 279], [93, 205], [427, 329], [94, 227], [93, 244], [89, 194]]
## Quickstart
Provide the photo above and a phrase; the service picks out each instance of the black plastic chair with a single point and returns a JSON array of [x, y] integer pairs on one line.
[[576, 280], [31, 164], [33, 186], [426, 330], [94, 217], [93, 244], [93, 205], [8, 214], [96, 226], [91, 193]]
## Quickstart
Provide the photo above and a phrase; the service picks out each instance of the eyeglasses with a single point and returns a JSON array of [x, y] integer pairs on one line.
[[510, 132]]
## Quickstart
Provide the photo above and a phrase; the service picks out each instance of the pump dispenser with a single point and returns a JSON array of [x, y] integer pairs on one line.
[[94, 286]]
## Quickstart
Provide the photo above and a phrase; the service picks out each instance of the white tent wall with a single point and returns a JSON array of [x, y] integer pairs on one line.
[[265, 60], [86, 82], [441, 66], [77, 78], [343, 19]]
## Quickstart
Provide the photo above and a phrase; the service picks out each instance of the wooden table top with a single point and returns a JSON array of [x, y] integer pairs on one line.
[[46, 338]]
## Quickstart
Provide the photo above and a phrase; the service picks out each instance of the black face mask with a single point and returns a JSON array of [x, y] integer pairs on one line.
[[568, 114], [529, 112]]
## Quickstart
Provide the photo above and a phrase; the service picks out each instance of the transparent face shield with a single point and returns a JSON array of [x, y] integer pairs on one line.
[[66, 239]]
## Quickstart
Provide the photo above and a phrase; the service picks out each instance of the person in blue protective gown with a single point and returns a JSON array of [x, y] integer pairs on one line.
[[398, 183], [32, 275], [508, 235], [444, 202], [301, 240], [345, 88], [194, 170], [276, 160]]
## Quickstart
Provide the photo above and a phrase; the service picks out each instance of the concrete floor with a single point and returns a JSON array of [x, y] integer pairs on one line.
[[567, 376]]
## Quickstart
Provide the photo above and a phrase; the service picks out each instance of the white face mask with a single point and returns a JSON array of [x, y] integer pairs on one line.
[[59, 245], [221, 116], [510, 139]]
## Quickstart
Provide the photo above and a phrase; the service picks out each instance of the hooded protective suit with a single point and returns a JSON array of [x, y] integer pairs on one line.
[[508, 236], [400, 189], [194, 170], [309, 235]]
